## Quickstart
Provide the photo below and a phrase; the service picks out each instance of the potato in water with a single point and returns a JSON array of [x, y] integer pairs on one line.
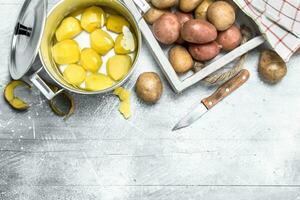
[[115, 23], [90, 60], [93, 18], [68, 29], [118, 66], [125, 42], [74, 74], [96, 82], [66, 52], [101, 41]]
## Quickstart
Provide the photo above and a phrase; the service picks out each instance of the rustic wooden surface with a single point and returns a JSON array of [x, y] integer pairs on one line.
[[245, 148]]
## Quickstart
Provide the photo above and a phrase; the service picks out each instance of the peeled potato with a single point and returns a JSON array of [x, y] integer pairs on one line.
[[93, 18], [10, 97], [74, 74], [97, 82], [90, 60], [125, 43], [118, 66], [115, 23], [69, 28], [66, 52], [101, 41], [221, 14]]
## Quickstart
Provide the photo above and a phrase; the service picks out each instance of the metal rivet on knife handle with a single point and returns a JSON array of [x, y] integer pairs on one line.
[[226, 89]]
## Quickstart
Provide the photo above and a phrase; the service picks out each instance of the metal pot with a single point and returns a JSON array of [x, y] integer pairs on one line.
[[33, 39]]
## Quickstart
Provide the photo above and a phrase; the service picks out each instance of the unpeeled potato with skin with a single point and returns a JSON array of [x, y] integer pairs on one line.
[[180, 59], [163, 4], [204, 52], [201, 10], [182, 18], [188, 5], [198, 31], [271, 67], [230, 39], [153, 15], [221, 14], [167, 28], [149, 87]]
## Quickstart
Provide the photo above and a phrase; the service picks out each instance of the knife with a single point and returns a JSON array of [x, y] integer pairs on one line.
[[208, 103]]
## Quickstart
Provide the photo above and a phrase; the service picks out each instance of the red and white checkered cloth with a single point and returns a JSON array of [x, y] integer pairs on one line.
[[278, 21]]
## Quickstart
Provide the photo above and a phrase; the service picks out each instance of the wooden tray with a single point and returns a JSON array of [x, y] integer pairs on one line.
[[160, 52]]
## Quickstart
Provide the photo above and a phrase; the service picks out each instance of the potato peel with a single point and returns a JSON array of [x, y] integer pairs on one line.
[[55, 108], [124, 96], [11, 99]]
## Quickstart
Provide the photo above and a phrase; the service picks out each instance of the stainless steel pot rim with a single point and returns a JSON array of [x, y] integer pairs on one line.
[[134, 65]]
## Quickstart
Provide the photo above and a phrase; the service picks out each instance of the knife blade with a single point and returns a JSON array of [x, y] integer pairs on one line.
[[208, 103]]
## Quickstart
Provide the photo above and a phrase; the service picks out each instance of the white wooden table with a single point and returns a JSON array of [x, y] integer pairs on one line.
[[246, 148]]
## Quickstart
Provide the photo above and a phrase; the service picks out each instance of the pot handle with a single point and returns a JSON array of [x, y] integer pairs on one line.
[[42, 86]]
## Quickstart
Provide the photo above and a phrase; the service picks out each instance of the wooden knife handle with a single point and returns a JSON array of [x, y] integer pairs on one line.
[[226, 89]]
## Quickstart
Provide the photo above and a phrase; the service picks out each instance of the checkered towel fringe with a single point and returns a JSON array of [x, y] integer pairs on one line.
[[278, 21]]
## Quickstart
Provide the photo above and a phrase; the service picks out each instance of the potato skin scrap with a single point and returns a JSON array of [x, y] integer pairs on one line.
[[125, 109], [11, 99]]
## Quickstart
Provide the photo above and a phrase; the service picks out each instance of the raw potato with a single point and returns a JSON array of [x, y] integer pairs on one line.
[[115, 23], [101, 41], [11, 99], [93, 18], [201, 10], [149, 87], [198, 31], [74, 74], [118, 66], [182, 18], [90, 60], [188, 5], [230, 39], [167, 28], [98, 82], [271, 67], [125, 43], [180, 59], [221, 14], [204, 52], [162, 4], [68, 29], [153, 14], [66, 52]]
